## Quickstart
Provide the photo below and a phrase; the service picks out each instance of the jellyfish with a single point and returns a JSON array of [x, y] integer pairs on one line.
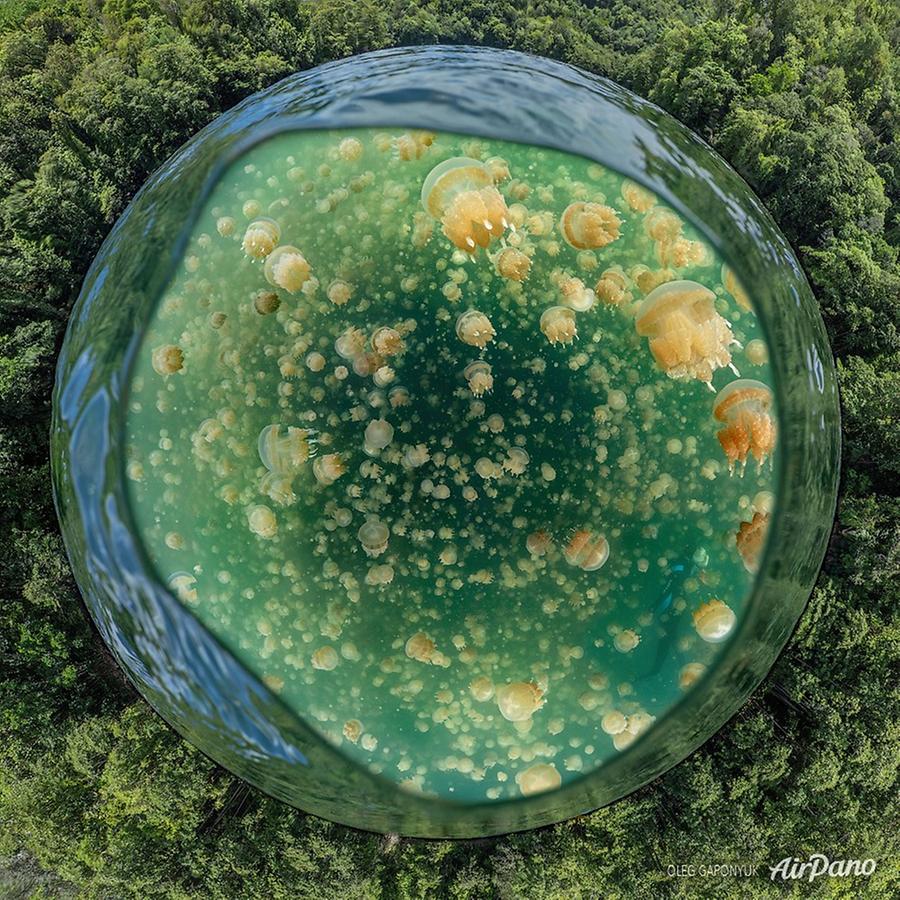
[[538, 778], [475, 329], [575, 295], [278, 488], [516, 461], [261, 238], [538, 543], [498, 167], [512, 264], [420, 647], [662, 225], [626, 640], [352, 730], [613, 722], [266, 302], [751, 538], [167, 360], [327, 469], [587, 226], [558, 325], [339, 291], [479, 378], [413, 144], [482, 689], [735, 288], [350, 343], [325, 658], [460, 193], [286, 267], [688, 338], [262, 521], [639, 199], [387, 341], [744, 406], [184, 586], [689, 674], [350, 149], [519, 700], [713, 621], [612, 286], [373, 536], [283, 452], [379, 433], [587, 550]]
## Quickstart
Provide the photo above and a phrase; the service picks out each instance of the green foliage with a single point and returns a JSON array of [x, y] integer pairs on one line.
[[802, 97]]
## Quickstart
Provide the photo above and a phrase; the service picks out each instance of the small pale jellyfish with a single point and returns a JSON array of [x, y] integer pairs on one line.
[[516, 461], [167, 360], [626, 640], [283, 451], [688, 338], [714, 620], [587, 550], [327, 469], [744, 406], [689, 674], [261, 238], [262, 521], [475, 329], [735, 288], [266, 302], [184, 586], [350, 343], [286, 267], [538, 543], [586, 226], [538, 778], [479, 378], [325, 658], [373, 536], [339, 291], [558, 325], [575, 295], [519, 700], [751, 538], [512, 264], [460, 193], [482, 689], [420, 647], [387, 341], [639, 199], [350, 149], [612, 286], [379, 433], [613, 722]]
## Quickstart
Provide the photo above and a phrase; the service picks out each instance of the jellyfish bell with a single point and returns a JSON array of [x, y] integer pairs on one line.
[[420, 647], [558, 325], [690, 674], [512, 264], [278, 488], [286, 267], [613, 722], [283, 451], [538, 543], [751, 538], [379, 433], [262, 521], [350, 343], [538, 778], [638, 198], [612, 286], [734, 287], [714, 621], [519, 700], [184, 586], [588, 226], [587, 550], [575, 295], [261, 238], [373, 537], [328, 468], [744, 406], [475, 329], [479, 378], [167, 359], [460, 193], [688, 338], [387, 341]]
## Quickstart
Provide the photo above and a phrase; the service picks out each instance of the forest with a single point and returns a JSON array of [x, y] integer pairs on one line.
[[99, 798]]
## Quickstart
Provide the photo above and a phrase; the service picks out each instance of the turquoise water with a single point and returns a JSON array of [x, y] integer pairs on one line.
[[414, 657]]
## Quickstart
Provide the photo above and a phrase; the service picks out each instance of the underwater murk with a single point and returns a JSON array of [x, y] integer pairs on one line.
[[463, 446]]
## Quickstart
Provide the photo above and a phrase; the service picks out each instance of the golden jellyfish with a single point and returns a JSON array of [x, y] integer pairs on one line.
[[690, 674], [352, 730], [266, 302], [283, 452], [538, 778], [479, 378], [286, 267], [613, 722], [475, 329], [167, 360], [751, 538], [373, 536], [538, 543], [379, 434], [662, 225], [327, 469], [339, 292], [745, 408], [460, 193], [498, 167], [626, 640], [688, 338], [413, 144], [519, 700], [647, 279], [325, 659], [350, 149], [512, 264], [516, 461], [587, 226], [387, 341], [558, 325], [482, 688], [735, 288], [420, 647], [714, 621], [262, 521], [612, 287], [575, 295], [639, 199], [587, 550], [261, 238], [350, 343], [278, 488], [184, 586]]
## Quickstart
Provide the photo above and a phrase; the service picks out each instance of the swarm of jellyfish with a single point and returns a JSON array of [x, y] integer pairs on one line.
[[447, 440]]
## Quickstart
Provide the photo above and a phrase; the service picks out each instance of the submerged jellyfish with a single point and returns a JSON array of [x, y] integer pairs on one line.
[[167, 360], [261, 238], [586, 550], [262, 521], [283, 452], [474, 328], [734, 287], [612, 286], [378, 435], [286, 267], [688, 338], [519, 700], [714, 620], [538, 778], [751, 538], [184, 586], [373, 536], [460, 193], [479, 378], [512, 264], [327, 469], [586, 226], [575, 295], [558, 325], [745, 408]]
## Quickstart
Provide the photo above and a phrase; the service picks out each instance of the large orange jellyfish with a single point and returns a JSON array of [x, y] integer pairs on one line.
[[745, 408], [460, 193], [688, 338]]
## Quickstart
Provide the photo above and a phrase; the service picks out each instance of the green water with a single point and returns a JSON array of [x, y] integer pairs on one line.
[[273, 563]]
